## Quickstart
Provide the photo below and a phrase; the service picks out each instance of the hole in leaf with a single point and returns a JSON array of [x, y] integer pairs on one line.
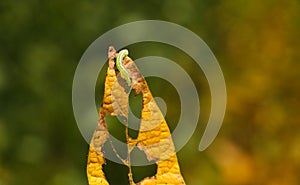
[[140, 172], [116, 129], [110, 169], [133, 133], [136, 104], [134, 114]]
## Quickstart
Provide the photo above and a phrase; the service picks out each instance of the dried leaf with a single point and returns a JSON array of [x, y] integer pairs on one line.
[[96, 158], [154, 137]]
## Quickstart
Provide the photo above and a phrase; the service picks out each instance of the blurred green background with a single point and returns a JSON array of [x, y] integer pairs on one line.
[[257, 46]]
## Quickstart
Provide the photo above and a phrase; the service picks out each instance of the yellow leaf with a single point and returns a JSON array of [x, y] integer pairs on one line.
[[154, 137]]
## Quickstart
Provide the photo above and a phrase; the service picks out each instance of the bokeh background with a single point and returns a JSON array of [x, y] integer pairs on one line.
[[257, 46]]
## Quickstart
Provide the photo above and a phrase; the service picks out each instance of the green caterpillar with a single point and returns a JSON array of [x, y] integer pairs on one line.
[[123, 53]]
